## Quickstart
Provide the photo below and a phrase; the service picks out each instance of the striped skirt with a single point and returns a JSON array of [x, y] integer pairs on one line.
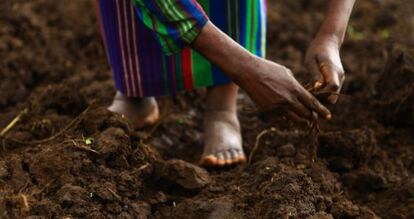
[[142, 69]]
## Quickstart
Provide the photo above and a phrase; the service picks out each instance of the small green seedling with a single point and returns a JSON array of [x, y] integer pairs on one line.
[[88, 141]]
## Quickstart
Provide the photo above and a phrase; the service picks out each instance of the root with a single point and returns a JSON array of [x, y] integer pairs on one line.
[[314, 133], [114, 194], [257, 143], [76, 145], [74, 122], [24, 202], [14, 121]]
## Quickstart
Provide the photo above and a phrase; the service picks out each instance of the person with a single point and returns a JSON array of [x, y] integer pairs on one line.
[[162, 47]]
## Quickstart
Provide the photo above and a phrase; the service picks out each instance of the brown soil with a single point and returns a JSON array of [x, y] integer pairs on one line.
[[69, 157]]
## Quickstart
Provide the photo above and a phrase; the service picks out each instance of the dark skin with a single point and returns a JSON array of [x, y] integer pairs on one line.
[[322, 58], [271, 85]]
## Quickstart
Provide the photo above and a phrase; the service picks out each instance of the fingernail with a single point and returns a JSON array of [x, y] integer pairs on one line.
[[329, 117], [317, 84]]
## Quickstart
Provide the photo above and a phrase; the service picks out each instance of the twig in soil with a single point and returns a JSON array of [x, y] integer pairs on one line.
[[82, 147], [24, 202], [141, 167], [314, 132], [44, 187], [62, 131], [14, 121], [114, 194], [257, 143]]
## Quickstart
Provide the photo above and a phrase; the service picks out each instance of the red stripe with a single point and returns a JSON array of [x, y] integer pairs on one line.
[[186, 61], [101, 25]]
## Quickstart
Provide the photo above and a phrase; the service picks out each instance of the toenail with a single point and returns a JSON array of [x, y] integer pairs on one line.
[[234, 154], [228, 157], [220, 155]]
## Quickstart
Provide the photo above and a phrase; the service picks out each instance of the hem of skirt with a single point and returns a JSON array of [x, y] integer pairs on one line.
[[178, 92]]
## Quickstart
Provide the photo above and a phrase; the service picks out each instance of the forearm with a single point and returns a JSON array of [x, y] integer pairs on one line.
[[336, 21], [224, 52]]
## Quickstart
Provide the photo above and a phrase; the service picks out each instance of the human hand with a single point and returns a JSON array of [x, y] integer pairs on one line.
[[324, 63], [270, 85], [273, 87]]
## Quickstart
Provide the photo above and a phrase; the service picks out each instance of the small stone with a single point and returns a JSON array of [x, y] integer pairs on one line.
[[186, 175]]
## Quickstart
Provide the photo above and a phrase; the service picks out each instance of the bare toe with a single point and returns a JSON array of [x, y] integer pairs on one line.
[[222, 139], [236, 156], [208, 161], [228, 158], [221, 160]]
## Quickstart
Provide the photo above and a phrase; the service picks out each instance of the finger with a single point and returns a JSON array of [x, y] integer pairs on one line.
[[334, 80], [313, 104], [314, 69], [299, 109]]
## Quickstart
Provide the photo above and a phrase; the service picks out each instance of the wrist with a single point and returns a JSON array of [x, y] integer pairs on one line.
[[329, 38], [245, 67]]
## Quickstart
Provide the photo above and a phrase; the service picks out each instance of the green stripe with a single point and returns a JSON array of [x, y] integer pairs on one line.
[[255, 27], [177, 14], [201, 67], [205, 4], [248, 24], [201, 71]]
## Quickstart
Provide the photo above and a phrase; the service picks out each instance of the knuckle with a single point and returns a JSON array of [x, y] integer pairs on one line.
[[334, 87]]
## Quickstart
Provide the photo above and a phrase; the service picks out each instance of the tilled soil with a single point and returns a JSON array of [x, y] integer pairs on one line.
[[68, 157]]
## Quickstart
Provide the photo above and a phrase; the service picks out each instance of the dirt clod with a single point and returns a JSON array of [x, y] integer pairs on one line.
[[187, 175], [54, 64]]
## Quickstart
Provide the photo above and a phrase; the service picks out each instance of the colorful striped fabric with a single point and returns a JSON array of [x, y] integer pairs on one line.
[[176, 23], [147, 41]]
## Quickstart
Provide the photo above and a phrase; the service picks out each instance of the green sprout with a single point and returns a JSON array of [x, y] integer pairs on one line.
[[88, 141]]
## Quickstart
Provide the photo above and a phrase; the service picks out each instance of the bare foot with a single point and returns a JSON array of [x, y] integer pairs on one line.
[[139, 112], [222, 139]]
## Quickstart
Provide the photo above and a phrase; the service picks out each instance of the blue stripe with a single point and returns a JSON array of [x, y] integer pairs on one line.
[[156, 61], [242, 22], [113, 44], [142, 59], [218, 15], [259, 31]]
